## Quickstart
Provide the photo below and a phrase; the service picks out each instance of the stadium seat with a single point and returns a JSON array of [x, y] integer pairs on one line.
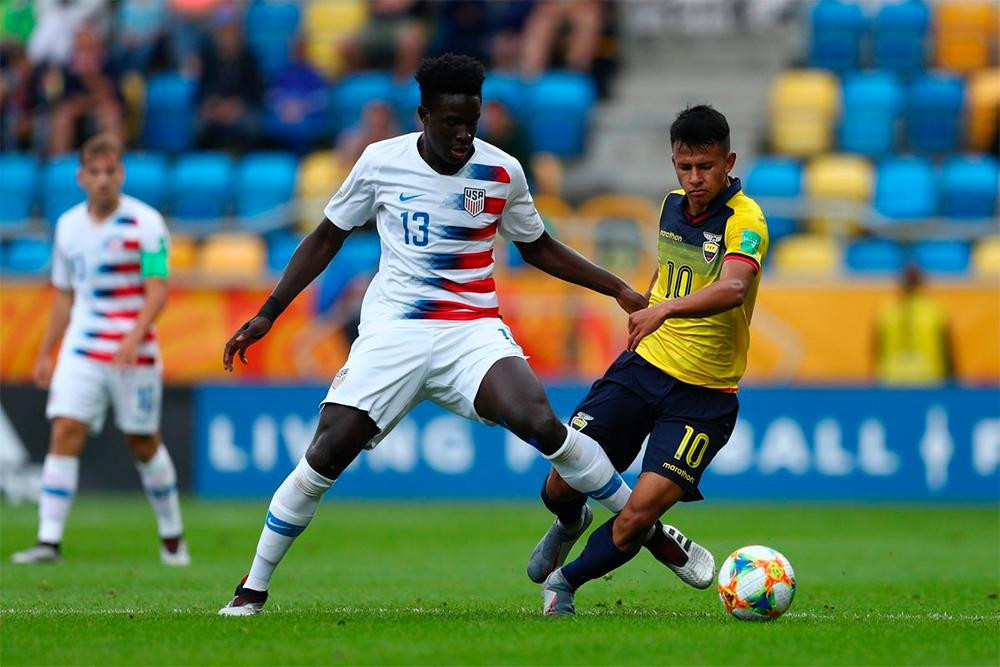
[[60, 191], [405, 100], [835, 39], [510, 90], [265, 183], [18, 187], [553, 206], [906, 188], [560, 104], [320, 175], [326, 25], [803, 105], [549, 174], [354, 92], [280, 246], [359, 257], [146, 178], [965, 34], [986, 258], [942, 256], [875, 256], [26, 255], [969, 186], [808, 254], [233, 255], [934, 113], [183, 252], [983, 103], [624, 206], [170, 113], [873, 102], [899, 34], [775, 182], [839, 188], [201, 186], [270, 28]]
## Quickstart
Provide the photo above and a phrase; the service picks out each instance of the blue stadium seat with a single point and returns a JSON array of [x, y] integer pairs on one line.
[[777, 180], [353, 92], [264, 183], [969, 186], [510, 90], [405, 100], [945, 256], [170, 113], [359, 257], [872, 104], [934, 113], [60, 191], [26, 255], [18, 186], [280, 246], [906, 188], [270, 29], [559, 110], [146, 178], [201, 186], [835, 40], [899, 36], [875, 256]]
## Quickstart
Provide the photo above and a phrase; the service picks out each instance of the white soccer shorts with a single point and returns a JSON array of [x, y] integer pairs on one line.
[[394, 366]]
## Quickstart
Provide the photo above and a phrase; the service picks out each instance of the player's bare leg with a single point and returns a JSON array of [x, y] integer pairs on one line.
[[340, 436], [60, 475], [512, 396], [159, 481]]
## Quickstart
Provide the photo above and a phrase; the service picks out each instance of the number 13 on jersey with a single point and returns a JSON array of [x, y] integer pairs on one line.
[[416, 228]]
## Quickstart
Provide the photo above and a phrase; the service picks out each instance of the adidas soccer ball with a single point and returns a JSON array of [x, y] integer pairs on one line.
[[756, 584]]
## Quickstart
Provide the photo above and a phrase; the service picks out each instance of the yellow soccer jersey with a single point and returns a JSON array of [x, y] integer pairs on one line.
[[705, 351]]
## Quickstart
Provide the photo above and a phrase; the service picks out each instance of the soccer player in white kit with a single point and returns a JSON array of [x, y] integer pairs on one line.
[[109, 267], [430, 322]]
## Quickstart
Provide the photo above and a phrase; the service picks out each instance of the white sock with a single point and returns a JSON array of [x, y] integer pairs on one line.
[[159, 479], [291, 510], [60, 475], [585, 467]]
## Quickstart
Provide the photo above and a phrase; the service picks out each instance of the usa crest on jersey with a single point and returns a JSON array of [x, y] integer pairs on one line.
[[475, 201]]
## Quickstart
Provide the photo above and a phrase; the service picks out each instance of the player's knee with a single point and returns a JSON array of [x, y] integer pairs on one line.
[[541, 428], [340, 436], [68, 437], [631, 528], [143, 447]]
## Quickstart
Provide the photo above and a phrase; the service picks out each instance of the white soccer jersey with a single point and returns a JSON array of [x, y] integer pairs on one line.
[[100, 263], [437, 232]]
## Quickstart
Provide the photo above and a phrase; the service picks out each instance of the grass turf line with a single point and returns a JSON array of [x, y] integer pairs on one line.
[[404, 583]]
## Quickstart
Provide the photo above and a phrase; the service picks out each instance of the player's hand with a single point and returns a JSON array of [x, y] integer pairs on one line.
[[631, 301], [643, 322], [248, 334], [128, 351], [42, 372]]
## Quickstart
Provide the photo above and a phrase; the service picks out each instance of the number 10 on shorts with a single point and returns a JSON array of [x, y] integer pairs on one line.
[[694, 447]]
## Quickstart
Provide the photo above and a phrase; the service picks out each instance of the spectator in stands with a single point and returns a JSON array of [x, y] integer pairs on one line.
[[85, 89], [140, 30], [15, 96], [296, 105], [912, 341], [378, 122], [188, 19], [56, 24], [584, 21], [500, 127], [394, 38], [486, 30], [230, 89]]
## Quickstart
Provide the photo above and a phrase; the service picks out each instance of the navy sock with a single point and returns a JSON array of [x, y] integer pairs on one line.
[[568, 512], [599, 557]]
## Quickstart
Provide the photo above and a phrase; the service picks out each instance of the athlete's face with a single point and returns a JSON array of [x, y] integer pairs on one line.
[[450, 125], [101, 177], [702, 171]]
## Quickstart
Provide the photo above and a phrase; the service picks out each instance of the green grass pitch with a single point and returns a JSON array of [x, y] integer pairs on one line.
[[421, 583]]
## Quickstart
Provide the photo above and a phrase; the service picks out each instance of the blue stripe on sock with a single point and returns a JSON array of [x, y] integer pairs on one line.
[[608, 489], [164, 492], [65, 493], [282, 527]]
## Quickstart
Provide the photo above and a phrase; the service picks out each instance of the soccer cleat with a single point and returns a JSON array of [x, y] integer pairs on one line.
[[245, 602], [699, 570], [558, 596], [550, 553], [178, 557], [39, 553]]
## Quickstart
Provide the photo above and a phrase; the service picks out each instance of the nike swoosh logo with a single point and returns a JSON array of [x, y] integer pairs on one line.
[[403, 197]]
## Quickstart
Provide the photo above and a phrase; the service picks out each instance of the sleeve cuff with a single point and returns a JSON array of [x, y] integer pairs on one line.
[[743, 258]]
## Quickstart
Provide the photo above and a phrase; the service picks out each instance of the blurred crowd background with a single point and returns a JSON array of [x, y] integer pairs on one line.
[[867, 131]]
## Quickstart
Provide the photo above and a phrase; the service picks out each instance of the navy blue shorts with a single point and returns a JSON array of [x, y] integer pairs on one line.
[[687, 425]]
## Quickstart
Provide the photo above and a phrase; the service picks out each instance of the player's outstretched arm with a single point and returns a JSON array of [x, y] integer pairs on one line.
[[308, 261], [62, 305], [559, 260]]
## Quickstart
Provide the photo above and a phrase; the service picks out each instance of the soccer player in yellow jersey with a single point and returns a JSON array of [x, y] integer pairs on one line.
[[676, 383]]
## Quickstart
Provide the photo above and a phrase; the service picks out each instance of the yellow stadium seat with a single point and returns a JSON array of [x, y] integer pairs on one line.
[[548, 170], [320, 175], [183, 250], [986, 257], [233, 255], [983, 95], [808, 254], [326, 23], [804, 105], [630, 207], [964, 34], [839, 187], [553, 206]]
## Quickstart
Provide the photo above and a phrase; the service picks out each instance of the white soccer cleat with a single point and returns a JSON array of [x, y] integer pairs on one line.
[[699, 570], [245, 602], [37, 554], [181, 557], [558, 596]]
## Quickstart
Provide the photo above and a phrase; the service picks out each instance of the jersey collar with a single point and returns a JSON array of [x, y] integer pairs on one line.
[[714, 205]]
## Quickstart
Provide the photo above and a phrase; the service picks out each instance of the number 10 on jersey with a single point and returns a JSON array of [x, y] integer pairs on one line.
[[415, 228]]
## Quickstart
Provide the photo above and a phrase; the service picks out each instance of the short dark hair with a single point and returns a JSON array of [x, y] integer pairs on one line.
[[449, 74], [700, 126]]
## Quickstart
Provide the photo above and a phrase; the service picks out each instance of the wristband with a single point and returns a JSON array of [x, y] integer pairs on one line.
[[271, 309]]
